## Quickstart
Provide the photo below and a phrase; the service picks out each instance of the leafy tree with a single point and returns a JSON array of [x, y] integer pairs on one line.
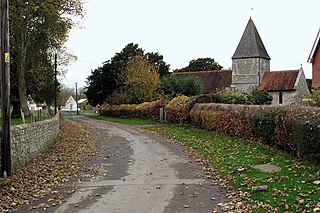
[[157, 59], [107, 79], [104, 80], [141, 83], [201, 64], [37, 29], [181, 85], [99, 86], [232, 96]]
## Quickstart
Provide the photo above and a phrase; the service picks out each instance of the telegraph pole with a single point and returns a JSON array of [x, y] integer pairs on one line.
[[5, 90], [55, 83], [77, 98]]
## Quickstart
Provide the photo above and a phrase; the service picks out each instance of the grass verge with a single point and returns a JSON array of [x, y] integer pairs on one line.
[[293, 189], [17, 121], [122, 120]]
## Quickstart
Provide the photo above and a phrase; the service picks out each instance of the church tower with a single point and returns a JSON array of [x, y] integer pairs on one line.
[[250, 60]]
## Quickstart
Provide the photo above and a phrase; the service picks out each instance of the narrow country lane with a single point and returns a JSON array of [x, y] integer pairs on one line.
[[136, 171]]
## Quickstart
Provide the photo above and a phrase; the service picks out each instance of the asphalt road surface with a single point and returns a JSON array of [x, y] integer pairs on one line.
[[135, 171]]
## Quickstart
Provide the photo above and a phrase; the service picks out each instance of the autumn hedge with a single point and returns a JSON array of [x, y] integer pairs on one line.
[[147, 110], [294, 129]]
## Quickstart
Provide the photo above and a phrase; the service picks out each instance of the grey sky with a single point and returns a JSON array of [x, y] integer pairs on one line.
[[182, 30]]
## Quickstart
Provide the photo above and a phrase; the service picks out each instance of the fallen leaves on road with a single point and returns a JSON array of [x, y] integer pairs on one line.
[[46, 175]]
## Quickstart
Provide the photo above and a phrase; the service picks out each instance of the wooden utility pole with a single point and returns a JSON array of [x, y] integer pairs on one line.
[[5, 90], [55, 83], [77, 98]]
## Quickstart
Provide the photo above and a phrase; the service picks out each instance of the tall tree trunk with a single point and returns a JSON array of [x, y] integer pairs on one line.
[[23, 90], [21, 63]]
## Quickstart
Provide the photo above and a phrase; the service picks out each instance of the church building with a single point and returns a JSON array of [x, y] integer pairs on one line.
[[251, 69], [250, 60]]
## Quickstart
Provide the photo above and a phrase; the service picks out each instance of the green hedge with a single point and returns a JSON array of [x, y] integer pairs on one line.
[[294, 129]]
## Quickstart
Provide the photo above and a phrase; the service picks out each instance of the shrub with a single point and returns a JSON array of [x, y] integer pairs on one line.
[[147, 110], [181, 85], [204, 98], [263, 126], [313, 99], [232, 96], [228, 119], [307, 139], [177, 111], [259, 97]]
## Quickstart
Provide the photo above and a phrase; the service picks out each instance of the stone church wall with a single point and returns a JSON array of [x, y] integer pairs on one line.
[[247, 73], [293, 97]]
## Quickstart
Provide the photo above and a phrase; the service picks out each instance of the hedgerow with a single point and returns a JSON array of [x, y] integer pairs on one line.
[[177, 111], [147, 110], [294, 129]]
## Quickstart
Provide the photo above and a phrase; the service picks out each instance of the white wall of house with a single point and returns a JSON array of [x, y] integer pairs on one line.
[[70, 105]]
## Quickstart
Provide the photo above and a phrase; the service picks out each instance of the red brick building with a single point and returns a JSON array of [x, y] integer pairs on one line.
[[314, 58]]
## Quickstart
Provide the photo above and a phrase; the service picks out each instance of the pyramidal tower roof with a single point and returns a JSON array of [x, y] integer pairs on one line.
[[251, 45]]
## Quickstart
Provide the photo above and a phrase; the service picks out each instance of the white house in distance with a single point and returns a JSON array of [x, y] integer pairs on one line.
[[32, 105], [71, 105], [82, 102]]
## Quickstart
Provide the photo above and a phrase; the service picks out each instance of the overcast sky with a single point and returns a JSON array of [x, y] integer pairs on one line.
[[182, 30]]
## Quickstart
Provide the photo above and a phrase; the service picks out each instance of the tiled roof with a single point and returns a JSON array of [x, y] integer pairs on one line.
[[279, 80], [212, 80], [251, 45]]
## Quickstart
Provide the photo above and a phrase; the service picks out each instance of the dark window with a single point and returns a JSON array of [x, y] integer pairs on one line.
[[280, 98]]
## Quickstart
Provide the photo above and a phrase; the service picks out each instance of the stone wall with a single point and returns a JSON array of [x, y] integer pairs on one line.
[[29, 141], [293, 97], [302, 87], [288, 97], [247, 73]]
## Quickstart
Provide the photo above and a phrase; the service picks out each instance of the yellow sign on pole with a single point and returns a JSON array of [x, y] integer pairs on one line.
[[7, 57]]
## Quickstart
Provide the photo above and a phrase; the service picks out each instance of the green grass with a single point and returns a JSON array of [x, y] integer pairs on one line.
[[122, 120], [292, 184], [18, 121]]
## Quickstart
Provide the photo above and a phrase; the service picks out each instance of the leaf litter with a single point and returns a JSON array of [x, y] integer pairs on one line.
[[47, 176]]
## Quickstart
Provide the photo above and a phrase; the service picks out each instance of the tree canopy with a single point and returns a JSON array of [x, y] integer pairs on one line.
[[108, 79], [140, 83], [201, 64], [181, 85], [38, 29]]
